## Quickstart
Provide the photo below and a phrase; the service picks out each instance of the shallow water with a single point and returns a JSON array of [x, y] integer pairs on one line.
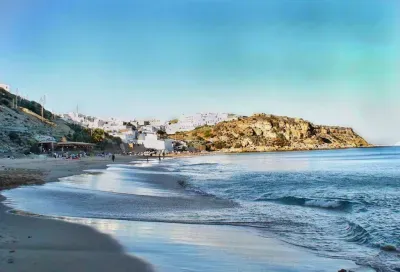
[[340, 203]]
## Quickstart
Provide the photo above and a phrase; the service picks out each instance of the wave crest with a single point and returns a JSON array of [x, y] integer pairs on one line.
[[318, 203], [357, 234]]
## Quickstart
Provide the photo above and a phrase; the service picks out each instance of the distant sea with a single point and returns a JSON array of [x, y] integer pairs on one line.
[[340, 204]]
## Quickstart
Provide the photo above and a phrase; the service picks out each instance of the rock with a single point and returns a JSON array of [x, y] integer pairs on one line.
[[389, 248], [342, 270], [262, 132]]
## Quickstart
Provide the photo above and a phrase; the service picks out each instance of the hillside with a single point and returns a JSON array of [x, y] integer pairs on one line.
[[19, 127], [18, 130], [262, 132]]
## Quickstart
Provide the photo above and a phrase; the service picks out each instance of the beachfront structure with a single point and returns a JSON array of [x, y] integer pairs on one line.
[[74, 146], [190, 122], [46, 142], [5, 87]]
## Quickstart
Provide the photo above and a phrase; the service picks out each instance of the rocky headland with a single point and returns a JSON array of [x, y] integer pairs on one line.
[[264, 132]]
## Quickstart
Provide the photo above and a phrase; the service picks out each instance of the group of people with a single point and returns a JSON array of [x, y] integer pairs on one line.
[[66, 155]]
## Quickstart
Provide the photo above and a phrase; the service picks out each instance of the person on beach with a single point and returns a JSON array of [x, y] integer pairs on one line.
[[113, 157]]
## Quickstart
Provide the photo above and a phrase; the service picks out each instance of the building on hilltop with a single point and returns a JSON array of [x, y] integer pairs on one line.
[[5, 87], [190, 122], [147, 122]]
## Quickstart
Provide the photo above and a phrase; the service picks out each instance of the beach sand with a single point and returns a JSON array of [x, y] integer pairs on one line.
[[39, 244], [50, 169]]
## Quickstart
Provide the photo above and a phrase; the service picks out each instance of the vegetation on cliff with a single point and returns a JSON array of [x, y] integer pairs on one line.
[[97, 136], [262, 132]]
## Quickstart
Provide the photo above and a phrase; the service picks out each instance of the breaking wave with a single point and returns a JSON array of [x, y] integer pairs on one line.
[[318, 203]]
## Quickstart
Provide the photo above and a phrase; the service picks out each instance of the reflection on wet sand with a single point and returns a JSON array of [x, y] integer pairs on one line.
[[217, 248]]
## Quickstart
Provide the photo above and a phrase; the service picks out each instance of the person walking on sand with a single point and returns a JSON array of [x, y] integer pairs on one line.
[[113, 157]]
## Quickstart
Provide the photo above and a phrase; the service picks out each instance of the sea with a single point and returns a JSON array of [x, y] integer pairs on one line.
[[335, 204]]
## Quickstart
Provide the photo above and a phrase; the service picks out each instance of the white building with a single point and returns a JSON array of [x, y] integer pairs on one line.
[[148, 122], [127, 136], [5, 87], [190, 122], [149, 129], [151, 141], [113, 125], [72, 117]]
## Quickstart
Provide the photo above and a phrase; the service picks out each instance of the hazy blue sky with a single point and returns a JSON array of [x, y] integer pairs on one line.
[[329, 61]]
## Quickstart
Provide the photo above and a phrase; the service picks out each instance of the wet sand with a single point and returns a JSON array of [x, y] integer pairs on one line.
[[39, 244]]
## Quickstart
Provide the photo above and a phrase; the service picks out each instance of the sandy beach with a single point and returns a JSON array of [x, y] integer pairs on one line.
[[84, 239], [39, 244], [50, 169]]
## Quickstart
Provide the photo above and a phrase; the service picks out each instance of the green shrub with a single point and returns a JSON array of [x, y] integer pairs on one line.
[[117, 140], [14, 137], [34, 148], [207, 133], [5, 102]]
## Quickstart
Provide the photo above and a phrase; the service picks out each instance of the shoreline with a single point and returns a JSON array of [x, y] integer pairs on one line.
[[43, 244], [54, 247], [220, 152]]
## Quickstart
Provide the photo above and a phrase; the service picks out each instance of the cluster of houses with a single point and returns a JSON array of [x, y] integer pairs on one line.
[[133, 132], [190, 122], [146, 132]]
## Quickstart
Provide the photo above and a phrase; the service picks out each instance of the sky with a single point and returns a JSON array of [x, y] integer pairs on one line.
[[333, 62]]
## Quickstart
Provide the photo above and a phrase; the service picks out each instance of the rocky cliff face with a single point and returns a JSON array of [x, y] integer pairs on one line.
[[262, 132], [18, 129]]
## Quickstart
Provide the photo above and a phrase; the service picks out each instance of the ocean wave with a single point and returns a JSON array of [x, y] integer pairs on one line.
[[357, 234], [333, 204], [192, 189], [199, 164]]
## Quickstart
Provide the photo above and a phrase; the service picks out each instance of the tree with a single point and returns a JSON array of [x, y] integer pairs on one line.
[[161, 133], [97, 135]]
